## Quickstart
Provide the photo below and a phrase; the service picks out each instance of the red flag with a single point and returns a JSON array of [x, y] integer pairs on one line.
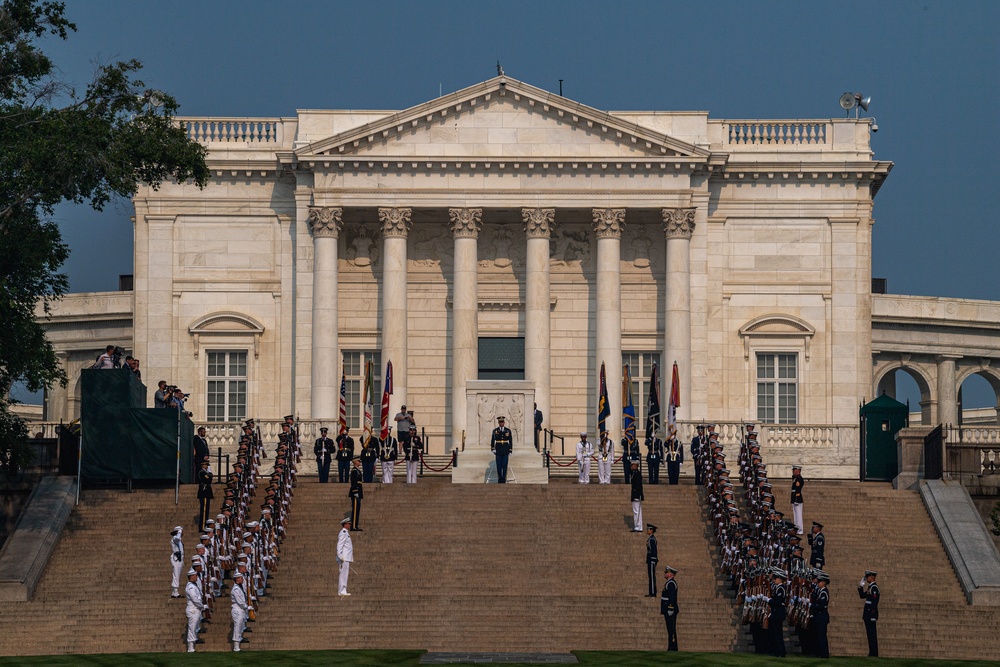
[[386, 392], [675, 402], [343, 404]]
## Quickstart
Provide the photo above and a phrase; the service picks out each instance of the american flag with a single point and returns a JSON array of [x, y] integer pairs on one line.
[[386, 392], [369, 408], [343, 404]]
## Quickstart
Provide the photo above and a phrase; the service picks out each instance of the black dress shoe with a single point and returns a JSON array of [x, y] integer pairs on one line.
[[199, 641], [247, 630], [244, 640]]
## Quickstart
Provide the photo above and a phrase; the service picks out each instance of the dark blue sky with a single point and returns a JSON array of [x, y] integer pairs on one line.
[[932, 69]]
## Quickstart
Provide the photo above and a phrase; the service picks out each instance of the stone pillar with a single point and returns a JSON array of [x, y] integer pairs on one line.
[[946, 390], [465, 225], [395, 226], [608, 224], [325, 223], [538, 223], [678, 225]]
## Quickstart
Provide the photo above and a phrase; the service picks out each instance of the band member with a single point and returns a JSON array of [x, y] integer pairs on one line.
[[501, 442], [869, 591], [413, 449], [345, 453], [652, 558], [675, 457], [699, 445], [356, 493], [669, 607], [637, 497], [324, 452], [605, 459], [654, 456], [388, 453], [584, 451]]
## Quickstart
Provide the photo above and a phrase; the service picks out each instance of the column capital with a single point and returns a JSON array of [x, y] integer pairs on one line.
[[538, 222], [678, 223], [466, 222], [609, 222], [395, 221], [326, 221]]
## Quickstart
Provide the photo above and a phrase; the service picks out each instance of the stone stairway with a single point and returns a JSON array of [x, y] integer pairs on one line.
[[923, 612]]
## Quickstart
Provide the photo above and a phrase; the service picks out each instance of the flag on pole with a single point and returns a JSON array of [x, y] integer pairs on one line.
[[343, 404], [628, 408], [603, 407], [369, 408], [675, 402], [386, 392], [653, 403]]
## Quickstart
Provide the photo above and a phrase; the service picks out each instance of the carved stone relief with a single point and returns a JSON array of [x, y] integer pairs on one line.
[[501, 247], [510, 406], [571, 247], [432, 247], [362, 250]]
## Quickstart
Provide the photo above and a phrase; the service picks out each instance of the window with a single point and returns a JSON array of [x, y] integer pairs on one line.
[[777, 388], [501, 358], [226, 397], [640, 366], [354, 369]]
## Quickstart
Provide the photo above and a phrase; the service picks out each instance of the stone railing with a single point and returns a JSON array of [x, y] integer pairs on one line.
[[784, 133], [235, 130]]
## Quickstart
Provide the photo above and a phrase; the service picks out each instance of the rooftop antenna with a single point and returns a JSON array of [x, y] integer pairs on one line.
[[560, 87]]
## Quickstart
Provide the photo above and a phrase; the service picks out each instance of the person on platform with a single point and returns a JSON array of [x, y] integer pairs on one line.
[[205, 494], [501, 443], [106, 360], [201, 452], [388, 453], [654, 456], [820, 615], [160, 397], [368, 457], [413, 449], [669, 607], [404, 420], [869, 591], [176, 560], [240, 609], [345, 555], [699, 445], [605, 459], [637, 497], [817, 542], [323, 449], [195, 606], [356, 494], [584, 452], [674, 453], [797, 484], [538, 425], [652, 558], [345, 453], [776, 617]]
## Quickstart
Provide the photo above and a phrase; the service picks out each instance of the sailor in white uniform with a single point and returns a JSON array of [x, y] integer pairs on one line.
[[176, 560], [584, 450], [605, 457], [195, 606], [240, 609], [345, 555]]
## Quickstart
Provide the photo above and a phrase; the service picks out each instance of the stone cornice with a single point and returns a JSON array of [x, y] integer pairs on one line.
[[395, 221], [678, 223], [326, 221], [466, 222], [609, 222], [538, 222]]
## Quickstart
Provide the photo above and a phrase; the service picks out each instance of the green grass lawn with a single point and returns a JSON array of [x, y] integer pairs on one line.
[[410, 658]]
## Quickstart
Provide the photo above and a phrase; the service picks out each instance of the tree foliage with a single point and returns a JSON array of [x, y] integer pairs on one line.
[[61, 144]]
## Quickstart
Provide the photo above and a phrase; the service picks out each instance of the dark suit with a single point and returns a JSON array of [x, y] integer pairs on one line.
[[502, 442], [870, 616], [356, 493], [200, 450], [538, 426], [324, 452], [205, 495], [670, 609]]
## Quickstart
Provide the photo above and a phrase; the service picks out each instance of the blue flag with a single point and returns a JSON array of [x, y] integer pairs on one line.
[[628, 408], [603, 407]]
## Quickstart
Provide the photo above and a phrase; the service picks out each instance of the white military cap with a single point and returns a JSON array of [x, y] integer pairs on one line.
[[347, 519], [177, 529], [191, 571], [237, 575]]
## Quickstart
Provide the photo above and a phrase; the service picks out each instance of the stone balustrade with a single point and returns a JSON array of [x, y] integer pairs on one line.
[[784, 133], [235, 130]]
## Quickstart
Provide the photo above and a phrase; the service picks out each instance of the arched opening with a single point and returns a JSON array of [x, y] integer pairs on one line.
[[978, 398], [908, 386]]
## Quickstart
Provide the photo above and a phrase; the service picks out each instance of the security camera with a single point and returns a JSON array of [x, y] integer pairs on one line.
[[874, 125]]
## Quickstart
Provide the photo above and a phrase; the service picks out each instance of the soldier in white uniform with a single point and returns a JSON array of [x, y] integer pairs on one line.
[[584, 450], [240, 609], [388, 453], [176, 560], [345, 555], [605, 457], [195, 605]]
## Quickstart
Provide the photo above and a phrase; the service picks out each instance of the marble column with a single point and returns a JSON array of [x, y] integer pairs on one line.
[[608, 224], [325, 223], [395, 226], [678, 225], [538, 224], [465, 225], [946, 390]]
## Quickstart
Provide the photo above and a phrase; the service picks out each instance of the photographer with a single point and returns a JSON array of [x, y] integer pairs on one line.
[[108, 359], [162, 395], [178, 401]]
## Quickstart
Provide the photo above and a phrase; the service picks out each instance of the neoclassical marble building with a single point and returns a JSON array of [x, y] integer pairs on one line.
[[505, 233]]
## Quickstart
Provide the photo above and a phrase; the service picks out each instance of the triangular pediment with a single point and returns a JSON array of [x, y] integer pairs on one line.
[[502, 118]]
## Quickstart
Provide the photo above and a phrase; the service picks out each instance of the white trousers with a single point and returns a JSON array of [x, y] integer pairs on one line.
[[604, 470], [584, 466], [194, 618], [411, 472], [637, 515], [239, 623], [175, 573], [797, 513], [387, 469], [345, 569]]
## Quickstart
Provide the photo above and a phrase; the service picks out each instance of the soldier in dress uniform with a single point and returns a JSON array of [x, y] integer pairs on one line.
[[195, 605], [176, 560], [699, 444], [820, 614], [637, 497], [324, 452], [818, 543], [669, 607], [652, 558], [869, 591], [776, 618], [675, 457], [654, 456], [797, 484], [388, 453], [240, 609], [584, 451], [345, 453], [356, 493], [345, 555], [205, 494], [501, 442], [368, 456], [605, 458], [413, 449], [630, 455]]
